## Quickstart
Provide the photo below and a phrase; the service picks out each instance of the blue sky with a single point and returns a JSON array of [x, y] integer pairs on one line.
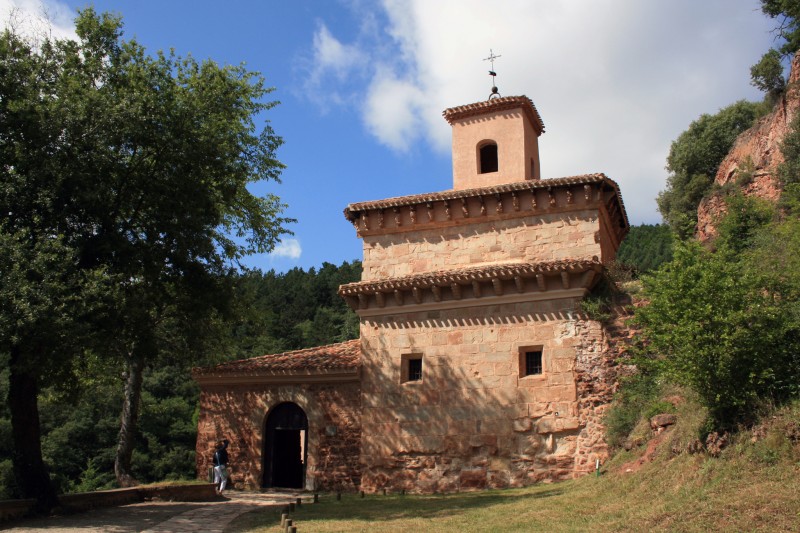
[[362, 84]]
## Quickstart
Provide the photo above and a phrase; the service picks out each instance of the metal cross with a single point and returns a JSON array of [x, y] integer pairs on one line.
[[492, 73], [491, 58]]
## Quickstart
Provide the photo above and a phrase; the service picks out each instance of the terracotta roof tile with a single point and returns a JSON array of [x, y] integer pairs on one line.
[[342, 356], [465, 275], [496, 104], [351, 210]]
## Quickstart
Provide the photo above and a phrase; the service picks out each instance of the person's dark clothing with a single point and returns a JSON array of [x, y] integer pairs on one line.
[[221, 457]]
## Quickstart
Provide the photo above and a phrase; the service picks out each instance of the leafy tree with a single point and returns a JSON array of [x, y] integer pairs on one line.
[[744, 220], [79, 431], [124, 177], [788, 11], [694, 158], [767, 74], [789, 169]]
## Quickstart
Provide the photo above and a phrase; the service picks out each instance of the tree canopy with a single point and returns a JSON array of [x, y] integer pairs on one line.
[[694, 158], [767, 74], [274, 312], [124, 189]]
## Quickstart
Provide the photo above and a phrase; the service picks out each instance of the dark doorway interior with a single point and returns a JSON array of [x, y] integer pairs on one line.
[[285, 438]]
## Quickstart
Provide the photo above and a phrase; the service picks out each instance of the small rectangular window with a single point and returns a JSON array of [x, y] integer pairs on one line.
[[411, 367], [533, 363], [414, 369]]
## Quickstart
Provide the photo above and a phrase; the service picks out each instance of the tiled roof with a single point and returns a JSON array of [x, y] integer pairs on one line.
[[469, 274], [416, 199], [343, 356], [496, 104]]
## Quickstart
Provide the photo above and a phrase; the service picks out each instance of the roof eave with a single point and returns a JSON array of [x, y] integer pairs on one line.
[[287, 377]]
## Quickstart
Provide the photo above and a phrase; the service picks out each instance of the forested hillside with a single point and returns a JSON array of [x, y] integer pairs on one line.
[[295, 309], [645, 248], [276, 312]]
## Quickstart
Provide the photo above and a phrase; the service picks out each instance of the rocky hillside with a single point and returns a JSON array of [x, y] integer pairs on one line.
[[753, 161]]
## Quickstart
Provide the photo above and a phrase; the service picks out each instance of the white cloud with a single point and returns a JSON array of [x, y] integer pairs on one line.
[[332, 55], [329, 67], [614, 80], [392, 110], [288, 248], [37, 18]]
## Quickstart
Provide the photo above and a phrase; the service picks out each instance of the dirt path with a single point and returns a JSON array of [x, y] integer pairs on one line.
[[159, 517]]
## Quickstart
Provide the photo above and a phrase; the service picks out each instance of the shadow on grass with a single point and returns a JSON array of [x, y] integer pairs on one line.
[[378, 508]]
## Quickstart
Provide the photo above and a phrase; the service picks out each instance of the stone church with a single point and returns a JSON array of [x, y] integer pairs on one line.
[[475, 367]]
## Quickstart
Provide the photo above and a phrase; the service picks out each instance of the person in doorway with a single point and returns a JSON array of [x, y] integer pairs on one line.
[[221, 466]]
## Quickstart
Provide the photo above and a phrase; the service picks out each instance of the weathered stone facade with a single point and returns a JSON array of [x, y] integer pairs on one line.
[[475, 367], [473, 421]]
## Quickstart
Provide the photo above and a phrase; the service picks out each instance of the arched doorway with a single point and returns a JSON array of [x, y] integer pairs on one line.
[[285, 444]]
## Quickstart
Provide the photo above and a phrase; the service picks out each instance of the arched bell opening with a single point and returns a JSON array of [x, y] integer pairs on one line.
[[487, 157]]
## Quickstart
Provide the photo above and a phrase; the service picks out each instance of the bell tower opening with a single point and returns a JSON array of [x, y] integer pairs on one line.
[[487, 157]]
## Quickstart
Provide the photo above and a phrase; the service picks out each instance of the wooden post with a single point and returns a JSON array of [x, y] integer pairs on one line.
[[298, 502], [293, 529], [284, 516], [291, 507], [288, 525], [316, 498], [362, 493]]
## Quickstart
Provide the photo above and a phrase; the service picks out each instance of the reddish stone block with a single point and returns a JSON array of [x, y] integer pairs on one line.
[[474, 478]]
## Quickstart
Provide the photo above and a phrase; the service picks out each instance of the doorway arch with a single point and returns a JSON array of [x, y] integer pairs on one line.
[[285, 446]]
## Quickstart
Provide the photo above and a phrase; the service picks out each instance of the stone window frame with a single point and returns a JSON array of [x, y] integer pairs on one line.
[[405, 364], [522, 362]]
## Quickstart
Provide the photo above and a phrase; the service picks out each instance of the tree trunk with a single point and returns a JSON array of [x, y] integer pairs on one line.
[[30, 471], [129, 421]]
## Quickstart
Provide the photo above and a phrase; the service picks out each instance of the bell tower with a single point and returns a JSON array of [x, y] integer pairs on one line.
[[495, 142]]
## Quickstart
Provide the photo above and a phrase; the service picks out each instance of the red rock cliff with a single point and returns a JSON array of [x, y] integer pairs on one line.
[[755, 151]]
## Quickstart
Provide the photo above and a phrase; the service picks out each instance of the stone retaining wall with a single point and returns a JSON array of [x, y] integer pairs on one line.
[[83, 501]]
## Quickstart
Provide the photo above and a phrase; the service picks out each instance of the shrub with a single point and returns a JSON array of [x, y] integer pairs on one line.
[[725, 323]]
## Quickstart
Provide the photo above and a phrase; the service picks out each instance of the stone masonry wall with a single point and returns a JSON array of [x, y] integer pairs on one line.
[[534, 238], [238, 413], [472, 421]]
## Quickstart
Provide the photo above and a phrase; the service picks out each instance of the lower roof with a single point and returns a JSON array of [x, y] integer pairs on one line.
[[334, 361]]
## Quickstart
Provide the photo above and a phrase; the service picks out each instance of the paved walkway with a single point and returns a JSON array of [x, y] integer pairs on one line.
[[159, 517]]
